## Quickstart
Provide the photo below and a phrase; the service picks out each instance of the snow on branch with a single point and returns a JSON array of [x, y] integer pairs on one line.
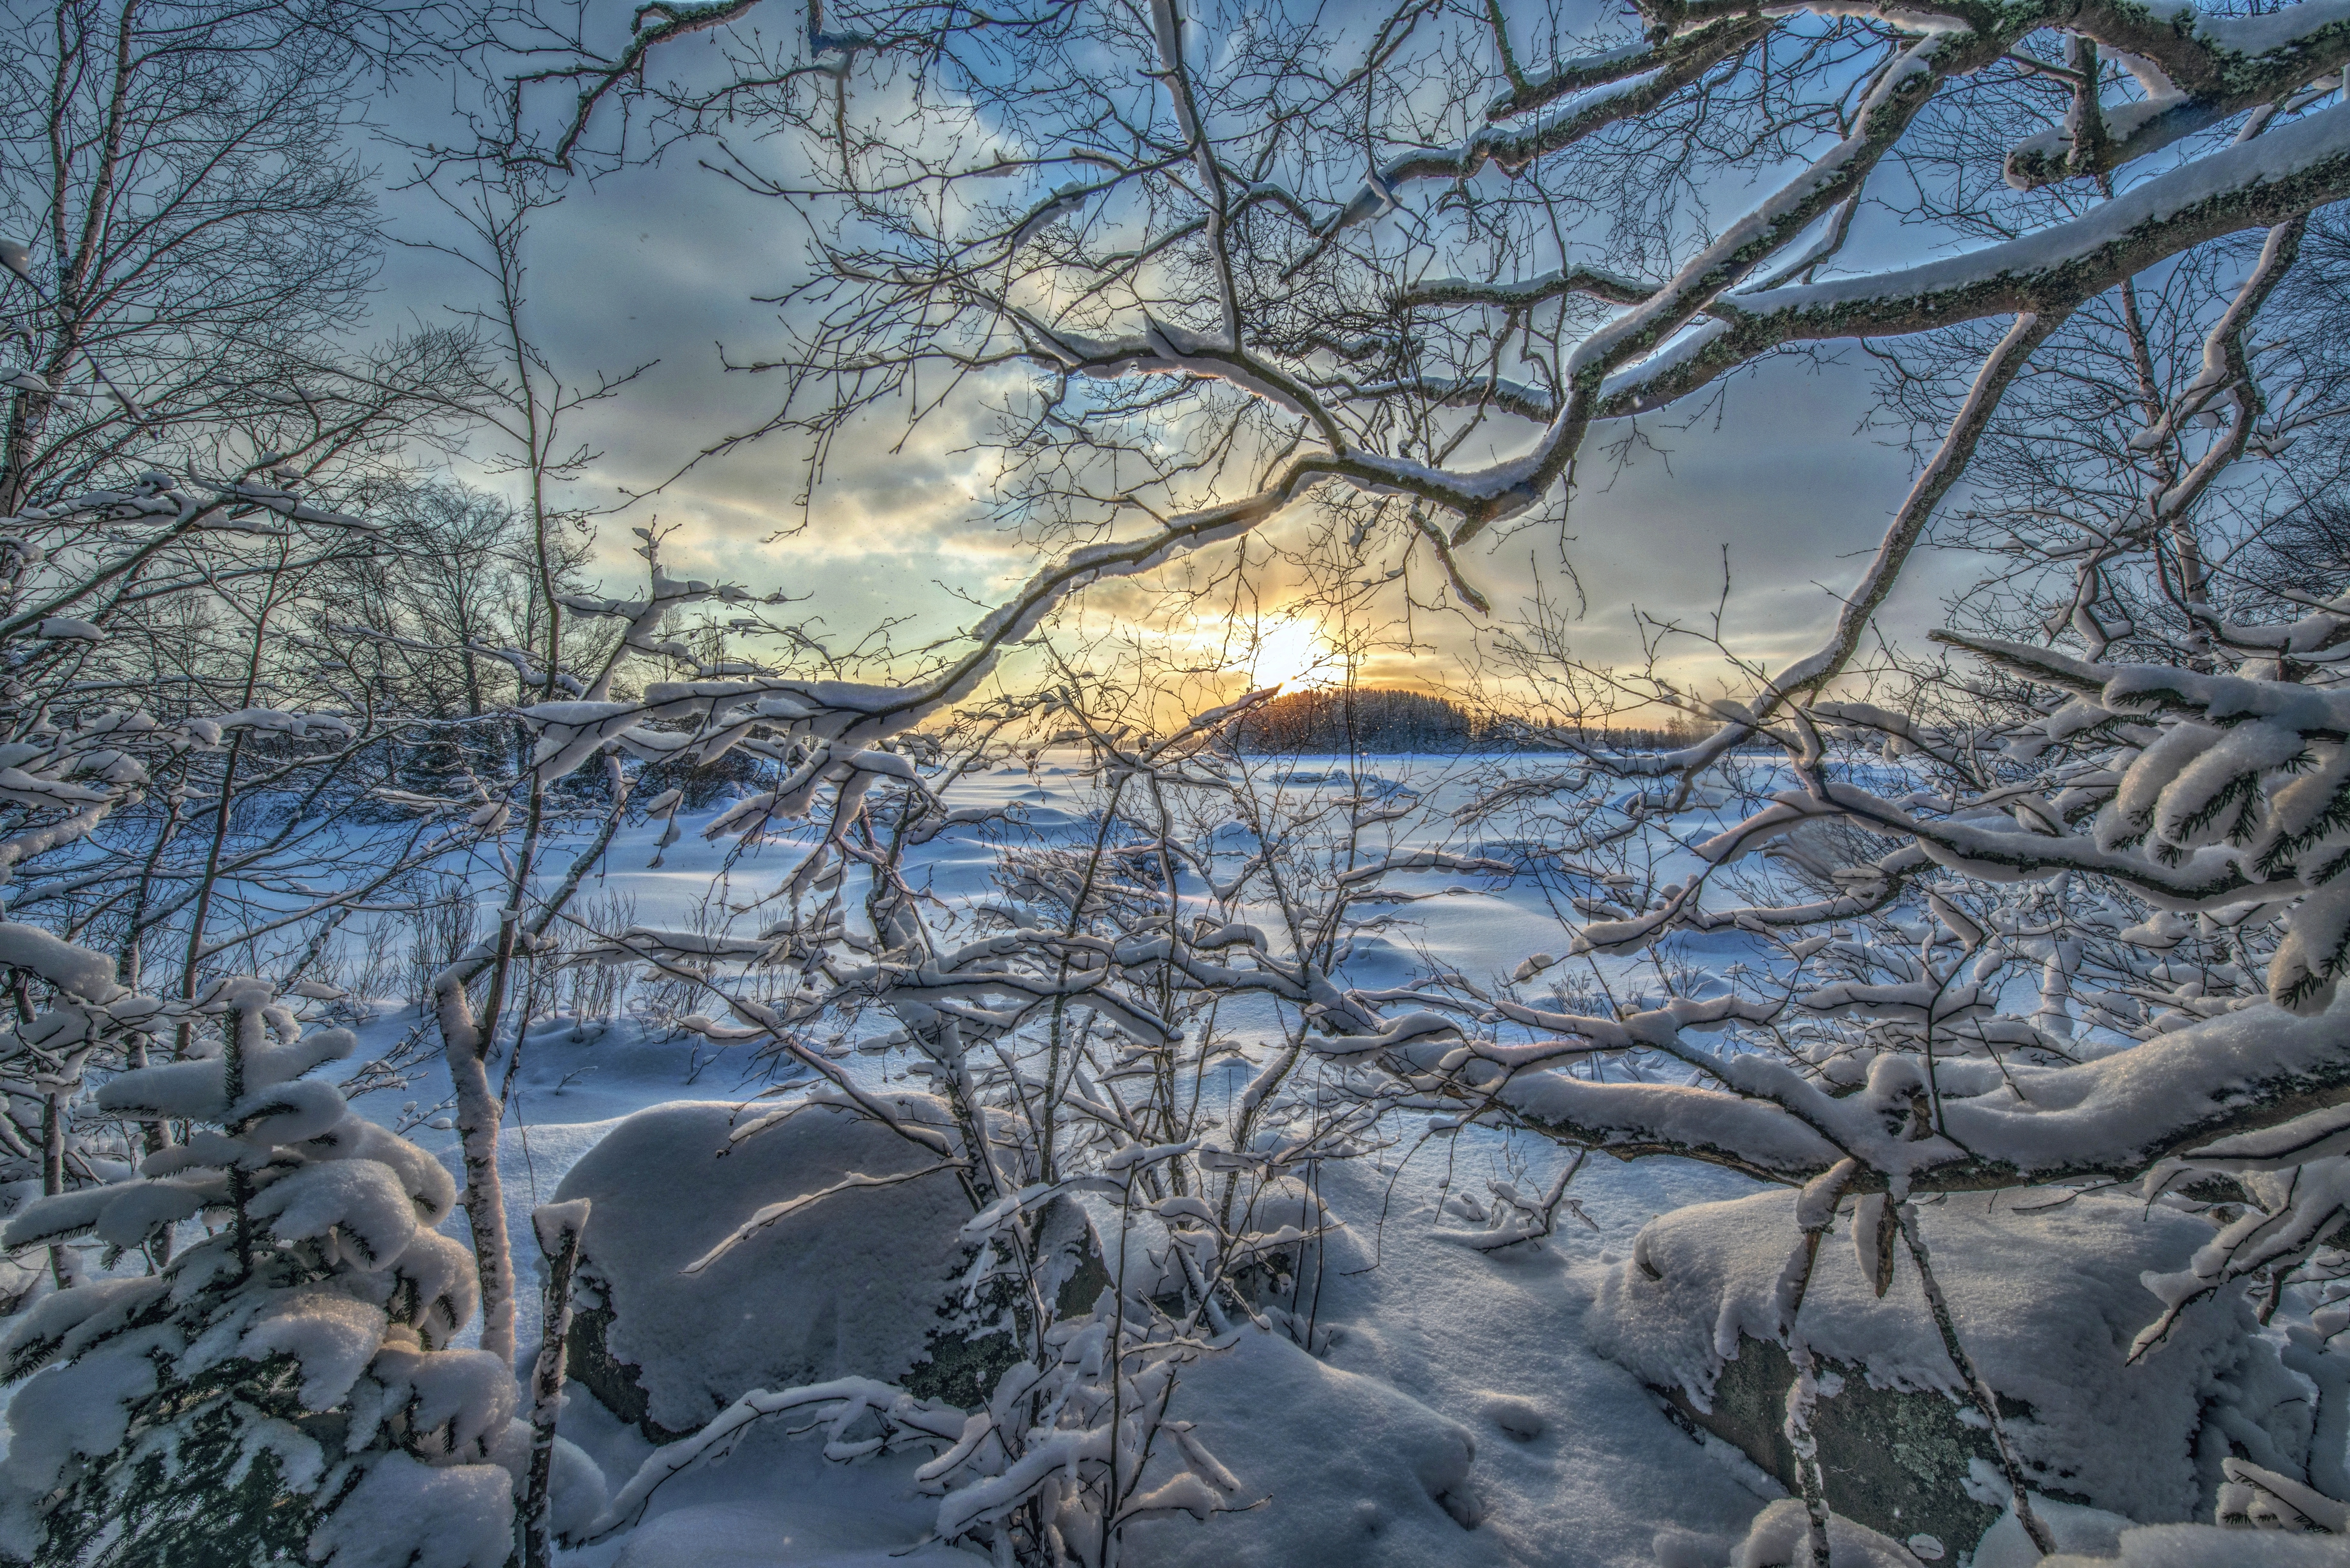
[[2207, 68], [2253, 184]]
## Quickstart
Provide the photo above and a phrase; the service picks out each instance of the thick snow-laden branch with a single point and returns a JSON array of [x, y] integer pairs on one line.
[[1646, 359], [1484, 496], [1425, 860], [2253, 184], [2205, 69], [2116, 1118], [1519, 294]]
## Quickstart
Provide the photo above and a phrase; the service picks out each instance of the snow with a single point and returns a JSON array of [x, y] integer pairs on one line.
[[1438, 1337], [175, 1091], [430, 1187], [864, 1271], [1434, 1348], [750, 1534], [441, 1269], [62, 1412], [464, 1396], [287, 1112], [332, 1337], [129, 1215], [358, 1200], [2099, 1113], [1399, 1489], [1473, 1340], [2047, 1301], [55, 1215], [1450, 1383], [2266, 34], [77, 971], [65, 628], [2075, 1528], [1781, 1537], [2316, 139], [61, 1321], [2206, 1546], [470, 1506]]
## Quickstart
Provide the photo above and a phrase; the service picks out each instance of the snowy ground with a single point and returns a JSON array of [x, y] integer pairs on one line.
[[1455, 1414], [1439, 1359]]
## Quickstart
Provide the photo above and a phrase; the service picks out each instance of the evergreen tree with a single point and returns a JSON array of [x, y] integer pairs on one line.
[[283, 1387]]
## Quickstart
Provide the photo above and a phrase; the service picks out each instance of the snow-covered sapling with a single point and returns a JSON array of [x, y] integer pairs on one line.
[[285, 1385]]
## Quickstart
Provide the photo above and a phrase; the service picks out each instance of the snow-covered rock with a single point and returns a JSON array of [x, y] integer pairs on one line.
[[2046, 1301], [858, 1284]]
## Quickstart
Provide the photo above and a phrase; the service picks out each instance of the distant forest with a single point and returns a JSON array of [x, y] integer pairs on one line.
[[1382, 719]]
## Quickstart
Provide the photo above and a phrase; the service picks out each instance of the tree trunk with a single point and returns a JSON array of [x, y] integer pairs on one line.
[[558, 1226]]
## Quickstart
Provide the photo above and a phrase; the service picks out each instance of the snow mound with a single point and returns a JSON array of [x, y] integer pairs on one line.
[[1780, 1537], [754, 1533], [2046, 1302], [1356, 1474], [849, 1286], [375, 1526], [2209, 1546]]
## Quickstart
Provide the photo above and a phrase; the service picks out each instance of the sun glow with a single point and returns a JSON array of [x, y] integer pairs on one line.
[[1291, 654]]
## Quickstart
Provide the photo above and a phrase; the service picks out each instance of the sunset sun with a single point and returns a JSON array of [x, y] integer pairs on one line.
[[1291, 654]]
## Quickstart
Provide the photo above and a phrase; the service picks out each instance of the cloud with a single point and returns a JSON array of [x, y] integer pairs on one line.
[[659, 267]]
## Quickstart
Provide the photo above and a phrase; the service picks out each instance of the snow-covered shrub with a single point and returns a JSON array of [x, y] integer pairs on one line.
[[114, 727], [283, 1386], [1068, 1033]]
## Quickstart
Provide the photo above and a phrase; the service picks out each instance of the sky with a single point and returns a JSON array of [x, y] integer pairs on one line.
[[663, 267]]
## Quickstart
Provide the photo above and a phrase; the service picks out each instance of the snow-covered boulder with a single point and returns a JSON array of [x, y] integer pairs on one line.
[[859, 1283], [2046, 1301]]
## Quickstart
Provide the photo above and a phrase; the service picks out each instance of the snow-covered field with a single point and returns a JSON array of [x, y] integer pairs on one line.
[[1463, 1403], [1436, 1355]]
